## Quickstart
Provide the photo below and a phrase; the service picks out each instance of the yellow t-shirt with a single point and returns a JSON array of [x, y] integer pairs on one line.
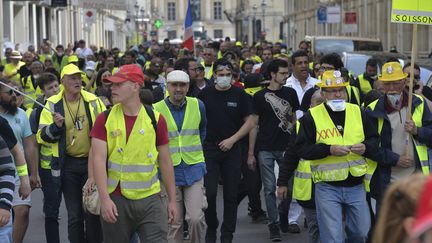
[[10, 69], [77, 139]]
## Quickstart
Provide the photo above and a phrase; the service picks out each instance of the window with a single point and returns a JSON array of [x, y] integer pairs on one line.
[[196, 10], [171, 11], [172, 34], [217, 10], [217, 34]]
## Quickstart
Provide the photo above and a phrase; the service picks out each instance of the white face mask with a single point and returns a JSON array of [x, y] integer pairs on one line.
[[337, 105], [60, 53], [223, 82], [36, 76], [394, 99]]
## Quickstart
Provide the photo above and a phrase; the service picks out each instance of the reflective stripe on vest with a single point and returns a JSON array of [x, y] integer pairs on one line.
[[337, 168], [302, 185], [365, 85], [45, 156], [186, 144], [132, 164]]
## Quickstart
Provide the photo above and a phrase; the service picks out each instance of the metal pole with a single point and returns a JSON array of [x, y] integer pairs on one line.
[[1, 31], [365, 3]]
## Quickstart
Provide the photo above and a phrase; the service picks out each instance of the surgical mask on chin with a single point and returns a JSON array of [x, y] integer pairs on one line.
[[223, 82], [394, 99], [337, 105]]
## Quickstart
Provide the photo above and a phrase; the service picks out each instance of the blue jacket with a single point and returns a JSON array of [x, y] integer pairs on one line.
[[386, 158]]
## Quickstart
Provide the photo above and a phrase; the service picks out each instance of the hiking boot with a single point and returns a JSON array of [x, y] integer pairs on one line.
[[293, 228], [275, 235]]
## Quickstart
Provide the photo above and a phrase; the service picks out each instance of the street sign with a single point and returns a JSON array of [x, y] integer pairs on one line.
[[322, 15], [334, 14], [412, 12], [158, 23], [90, 16], [350, 22]]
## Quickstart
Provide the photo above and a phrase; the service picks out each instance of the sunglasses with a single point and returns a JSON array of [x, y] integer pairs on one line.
[[11, 92]]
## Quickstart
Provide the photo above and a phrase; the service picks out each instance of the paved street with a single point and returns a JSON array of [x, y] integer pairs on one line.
[[246, 231]]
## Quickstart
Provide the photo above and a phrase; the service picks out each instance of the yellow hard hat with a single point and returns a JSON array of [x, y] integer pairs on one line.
[[392, 71], [238, 43], [72, 58], [69, 70], [332, 79]]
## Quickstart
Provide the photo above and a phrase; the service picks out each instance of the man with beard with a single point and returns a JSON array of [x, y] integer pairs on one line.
[[167, 52], [30, 83], [154, 81], [274, 108], [396, 159], [66, 128], [186, 120], [28, 59], [17, 119], [189, 66]]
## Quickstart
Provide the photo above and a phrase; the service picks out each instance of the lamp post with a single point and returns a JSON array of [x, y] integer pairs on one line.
[[263, 6], [254, 30]]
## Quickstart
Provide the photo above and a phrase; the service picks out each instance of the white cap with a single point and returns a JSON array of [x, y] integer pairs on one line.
[[90, 65], [177, 76]]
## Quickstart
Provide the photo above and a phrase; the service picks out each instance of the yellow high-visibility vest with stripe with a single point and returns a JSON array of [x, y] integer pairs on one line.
[[133, 164], [421, 149], [185, 145], [302, 184], [30, 90], [365, 85], [45, 152], [209, 74], [337, 168]]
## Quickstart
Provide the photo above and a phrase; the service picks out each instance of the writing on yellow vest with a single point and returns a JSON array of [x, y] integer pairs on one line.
[[185, 144], [132, 163], [337, 168]]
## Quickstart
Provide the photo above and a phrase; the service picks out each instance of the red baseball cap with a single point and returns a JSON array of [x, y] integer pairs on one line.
[[129, 72], [423, 219]]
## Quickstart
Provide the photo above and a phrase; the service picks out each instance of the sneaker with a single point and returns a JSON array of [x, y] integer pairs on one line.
[[293, 228], [275, 235], [259, 217], [186, 235]]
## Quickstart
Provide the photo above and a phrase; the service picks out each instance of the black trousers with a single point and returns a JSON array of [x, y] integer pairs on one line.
[[250, 184], [227, 166]]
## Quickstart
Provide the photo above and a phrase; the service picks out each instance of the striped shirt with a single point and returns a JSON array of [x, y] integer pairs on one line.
[[7, 176]]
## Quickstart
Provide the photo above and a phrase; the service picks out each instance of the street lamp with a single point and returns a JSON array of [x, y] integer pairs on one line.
[[254, 30], [263, 5]]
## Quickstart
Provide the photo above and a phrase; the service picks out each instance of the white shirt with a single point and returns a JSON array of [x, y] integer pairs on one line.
[[83, 53], [294, 83]]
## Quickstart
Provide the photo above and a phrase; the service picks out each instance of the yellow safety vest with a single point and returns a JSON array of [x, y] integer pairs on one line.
[[30, 90], [337, 168], [365, 86], [421, 149], [11, 68], [209, 74], [114, 71], [45, 152], [302, 184], [186, 144], [63, 62], [351, 90], [133, 164]]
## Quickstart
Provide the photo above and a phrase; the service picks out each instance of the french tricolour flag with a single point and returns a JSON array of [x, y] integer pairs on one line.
[[188, 42]]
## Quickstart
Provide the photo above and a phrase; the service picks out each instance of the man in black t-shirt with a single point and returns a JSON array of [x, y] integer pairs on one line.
[[229, 119], [274, 113]]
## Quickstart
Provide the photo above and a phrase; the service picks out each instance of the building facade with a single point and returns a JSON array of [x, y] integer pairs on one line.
[[373, 21]]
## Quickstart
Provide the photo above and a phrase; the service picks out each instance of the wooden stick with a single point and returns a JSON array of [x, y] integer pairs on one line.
[[411, 81]]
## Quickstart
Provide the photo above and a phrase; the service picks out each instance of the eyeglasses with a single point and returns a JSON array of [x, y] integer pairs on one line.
[[207, 54], [11, 92], [199, 70], [326, 68]]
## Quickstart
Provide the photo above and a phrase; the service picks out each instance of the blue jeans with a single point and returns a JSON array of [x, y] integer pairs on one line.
[[51, 205], [266, 161], [331, 201], [6, 231]]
